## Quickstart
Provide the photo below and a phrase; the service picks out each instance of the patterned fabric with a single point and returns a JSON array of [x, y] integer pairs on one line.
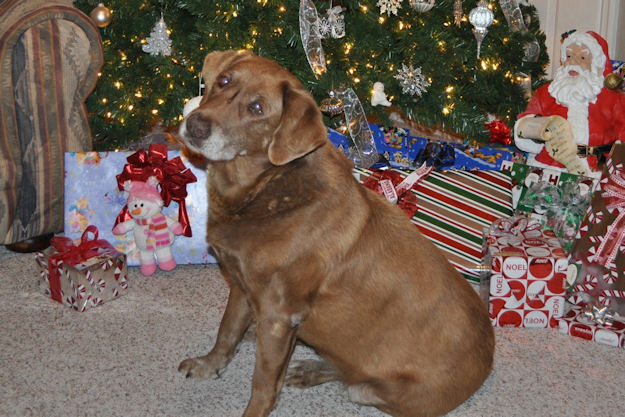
[[158, 232], [50, 55]]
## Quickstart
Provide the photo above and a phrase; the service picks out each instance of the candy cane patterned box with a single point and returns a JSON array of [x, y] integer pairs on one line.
[[527, 280], [84, 285]]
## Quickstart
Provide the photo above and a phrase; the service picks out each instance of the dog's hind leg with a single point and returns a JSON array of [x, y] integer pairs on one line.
[[236, 320], [310, 372]]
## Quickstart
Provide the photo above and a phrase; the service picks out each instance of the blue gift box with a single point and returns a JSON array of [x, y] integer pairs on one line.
[[401, 148], [92, 197]]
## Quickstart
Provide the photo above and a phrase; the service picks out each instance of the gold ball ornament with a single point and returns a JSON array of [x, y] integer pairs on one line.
[[332, 105], [612, 81], [101, 15]]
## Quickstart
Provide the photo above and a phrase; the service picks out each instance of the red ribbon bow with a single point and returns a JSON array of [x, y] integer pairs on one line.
[[406, 200], [70, 254], [499, 132], [173, 177]]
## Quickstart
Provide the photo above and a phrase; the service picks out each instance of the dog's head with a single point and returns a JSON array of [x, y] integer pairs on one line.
[[252, 106]]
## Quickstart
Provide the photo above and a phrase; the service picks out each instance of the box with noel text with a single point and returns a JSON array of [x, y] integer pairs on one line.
[[528, 272]]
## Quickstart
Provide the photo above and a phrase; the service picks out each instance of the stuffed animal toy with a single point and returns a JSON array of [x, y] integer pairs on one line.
[[153, 231]]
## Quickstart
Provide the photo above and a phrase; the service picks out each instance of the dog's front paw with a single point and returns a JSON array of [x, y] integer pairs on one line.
[[202, 367]]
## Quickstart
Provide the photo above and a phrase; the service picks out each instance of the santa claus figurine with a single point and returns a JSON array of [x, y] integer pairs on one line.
[[571, 122]]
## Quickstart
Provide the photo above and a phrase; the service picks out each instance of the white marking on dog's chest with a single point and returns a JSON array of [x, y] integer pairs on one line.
[[296, 320]]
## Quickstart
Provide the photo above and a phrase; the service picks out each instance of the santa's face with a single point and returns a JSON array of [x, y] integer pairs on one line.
[[578, 55], [576, 81]]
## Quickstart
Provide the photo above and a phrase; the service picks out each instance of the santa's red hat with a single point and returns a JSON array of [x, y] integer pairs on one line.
[[597, 46]]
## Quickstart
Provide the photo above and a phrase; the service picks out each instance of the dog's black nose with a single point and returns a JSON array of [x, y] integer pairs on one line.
[[198, 127]]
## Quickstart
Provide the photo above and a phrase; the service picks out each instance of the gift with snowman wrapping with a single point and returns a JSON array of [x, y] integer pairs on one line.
[[95, 194], [83, 273], [528, 271]]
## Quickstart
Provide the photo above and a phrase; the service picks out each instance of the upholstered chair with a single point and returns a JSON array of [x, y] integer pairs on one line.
[[50, 57]]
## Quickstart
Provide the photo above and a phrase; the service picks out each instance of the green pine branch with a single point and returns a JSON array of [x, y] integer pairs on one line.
[[138, 91]]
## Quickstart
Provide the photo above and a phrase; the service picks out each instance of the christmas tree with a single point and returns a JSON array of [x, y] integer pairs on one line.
[[427, 60]]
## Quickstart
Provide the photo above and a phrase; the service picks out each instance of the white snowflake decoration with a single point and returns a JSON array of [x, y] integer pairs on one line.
[[332, 24], [411, 80], [389, 6], [323, 26]]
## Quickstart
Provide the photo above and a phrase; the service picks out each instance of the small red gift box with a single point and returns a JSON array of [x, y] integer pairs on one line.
[[576, 323], [82, 274], [528, 271]]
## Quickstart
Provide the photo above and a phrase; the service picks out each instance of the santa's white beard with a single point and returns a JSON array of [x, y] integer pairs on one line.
[[571, 90]]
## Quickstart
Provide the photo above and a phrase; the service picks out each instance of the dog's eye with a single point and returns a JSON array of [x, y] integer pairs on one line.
[[223, 81], [256, 108]]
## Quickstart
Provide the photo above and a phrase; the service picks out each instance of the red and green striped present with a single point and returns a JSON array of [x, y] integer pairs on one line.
[[454, 207]]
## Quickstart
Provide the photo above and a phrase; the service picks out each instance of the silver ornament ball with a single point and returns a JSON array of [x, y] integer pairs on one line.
[[101, 15], [481, 17], [422, 6]]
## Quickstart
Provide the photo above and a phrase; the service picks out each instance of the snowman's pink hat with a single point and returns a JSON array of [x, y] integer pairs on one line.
[[146, 191]]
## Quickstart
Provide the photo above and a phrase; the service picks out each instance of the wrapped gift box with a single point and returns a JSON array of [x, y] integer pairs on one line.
[[92, 197], [401, 148], [454, 207], [575, 323], [528, 272], [557, 199], [598, 256], [84, 273], [525, 176], [619, 67]]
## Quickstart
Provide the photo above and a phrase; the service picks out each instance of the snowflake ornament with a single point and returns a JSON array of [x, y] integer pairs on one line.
[[411, 80], [323, 26], [332, 24], [389, 6]]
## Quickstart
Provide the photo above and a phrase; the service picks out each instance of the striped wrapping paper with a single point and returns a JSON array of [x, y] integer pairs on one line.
[[454, 209]]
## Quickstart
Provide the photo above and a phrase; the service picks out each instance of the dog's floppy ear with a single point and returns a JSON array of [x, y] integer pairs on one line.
[[301, 129], [217, 61]]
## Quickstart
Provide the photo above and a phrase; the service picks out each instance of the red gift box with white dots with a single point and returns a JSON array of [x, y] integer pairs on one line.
[[527, 279]]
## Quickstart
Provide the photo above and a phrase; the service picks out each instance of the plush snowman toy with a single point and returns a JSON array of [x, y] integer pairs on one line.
[[153, 231]]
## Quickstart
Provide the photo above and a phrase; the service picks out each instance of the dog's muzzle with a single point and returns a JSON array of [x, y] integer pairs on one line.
[[197, 129]]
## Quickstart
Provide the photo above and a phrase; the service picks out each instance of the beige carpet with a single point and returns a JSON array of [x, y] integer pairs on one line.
[[121, 358]]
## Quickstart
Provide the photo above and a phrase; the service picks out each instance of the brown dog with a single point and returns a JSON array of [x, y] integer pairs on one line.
[[311, 254]]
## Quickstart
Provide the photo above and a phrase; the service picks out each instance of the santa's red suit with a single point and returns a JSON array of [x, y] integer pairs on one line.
[[606, 119], [606, 115]]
